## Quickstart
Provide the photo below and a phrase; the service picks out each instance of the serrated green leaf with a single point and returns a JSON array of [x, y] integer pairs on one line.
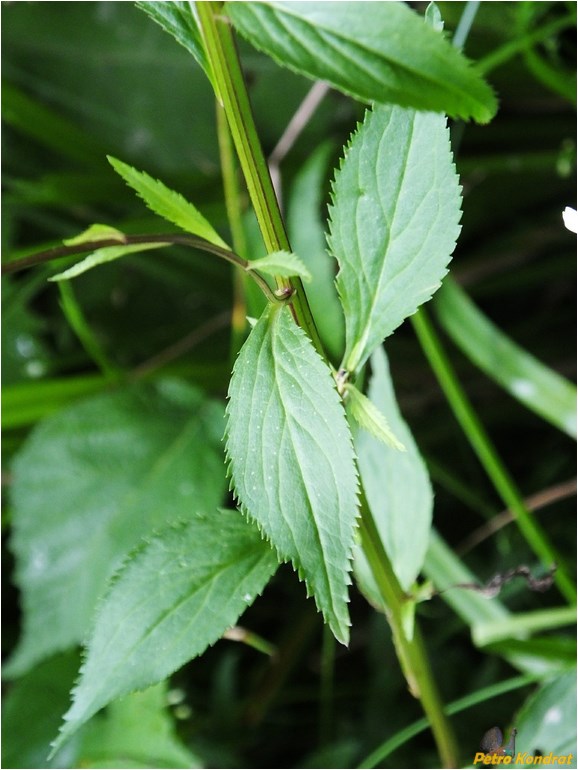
[[96, 232], [535, 385], [369, 417], [167, 203], [101, 257], [88, 484], [397, 487], [291, 459], [179, 20], [394, 222], [283, 263], [174, 596], [375, 52]]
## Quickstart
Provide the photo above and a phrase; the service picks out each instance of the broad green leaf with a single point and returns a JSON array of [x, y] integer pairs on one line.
[[394, 222], [135, 731], [368, 417], [88, 484], [31, 714], [101, 257], [307, 237], [167, 203], [291, 459], [283, 263], [546, 723], [173, 597], [375, 52], [96, 232], [397, 488], [179, 20], [541, 389]]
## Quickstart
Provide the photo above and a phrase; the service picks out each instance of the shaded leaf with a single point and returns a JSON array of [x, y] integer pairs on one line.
[[167, 203], [101, 257], [173, 597], [380, 52], [397, 487], [393, 222], [283, 263], [88, 484], [291, 460], [527, 379]]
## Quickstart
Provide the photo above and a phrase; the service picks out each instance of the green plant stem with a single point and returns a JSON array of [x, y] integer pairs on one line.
[[227, 75], [234, 215], [411, 652], [486, 452], [232, 92]]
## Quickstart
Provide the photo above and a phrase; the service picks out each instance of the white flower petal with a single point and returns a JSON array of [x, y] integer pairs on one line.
[[570, 217]]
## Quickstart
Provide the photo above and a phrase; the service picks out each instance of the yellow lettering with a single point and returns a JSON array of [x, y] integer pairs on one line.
[[479, 757]]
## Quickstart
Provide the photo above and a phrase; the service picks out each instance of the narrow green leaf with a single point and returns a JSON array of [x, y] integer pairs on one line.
[[394, 222], [283, 263], [538, 387], [547, 722], [368, 417], [397, 487], [96, 233], [375, 52], [167, 203], [291, 459], [88, 484], [179, 20], [174, 596], [523, 624], [101, 257]]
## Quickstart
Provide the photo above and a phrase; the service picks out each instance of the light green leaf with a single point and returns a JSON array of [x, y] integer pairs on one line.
[[393, 222], [283, 263], [101, 256], [96, 233], [538, 387], [522, 624], [397, 487], [375, 52], [291, 459], [167, 203], [88, 484], [179, 20], [135, 731], [368, 417], [174, 596], [547, 722]]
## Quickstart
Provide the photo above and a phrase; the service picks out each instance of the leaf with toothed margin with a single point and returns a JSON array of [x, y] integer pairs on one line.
[[174, 596], [291, 458], [394, 222]]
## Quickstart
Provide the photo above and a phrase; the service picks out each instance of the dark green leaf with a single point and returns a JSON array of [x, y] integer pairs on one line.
[[380, 52], [88, 484], [393, 223], [291, 459], [172, 598]]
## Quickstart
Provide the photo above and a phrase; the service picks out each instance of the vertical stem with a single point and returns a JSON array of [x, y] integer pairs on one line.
[[486, 452], [232, 92]]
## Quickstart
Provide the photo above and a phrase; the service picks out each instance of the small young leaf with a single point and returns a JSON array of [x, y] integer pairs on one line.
[[89, 482], [96, 233], [291, 459], [397, 488], [179, 20], [101, 256], [167, 203], [394, 222], [368, 416], [375, 52], [173, 597], [283, 263]]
